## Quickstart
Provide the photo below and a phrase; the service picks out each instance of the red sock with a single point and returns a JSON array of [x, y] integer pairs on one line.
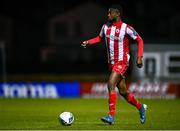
[[132, 100], [112, 103]]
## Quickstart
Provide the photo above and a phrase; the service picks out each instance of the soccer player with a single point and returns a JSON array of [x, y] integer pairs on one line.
[[117, 35]]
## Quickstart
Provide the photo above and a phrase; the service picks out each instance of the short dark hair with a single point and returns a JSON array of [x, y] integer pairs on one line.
[[117, 7]]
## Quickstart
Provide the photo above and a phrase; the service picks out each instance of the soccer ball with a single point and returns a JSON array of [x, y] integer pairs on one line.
[[66, 118]]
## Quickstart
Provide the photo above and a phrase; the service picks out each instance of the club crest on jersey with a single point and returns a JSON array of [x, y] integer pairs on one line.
[[117, 30], [119, 67]]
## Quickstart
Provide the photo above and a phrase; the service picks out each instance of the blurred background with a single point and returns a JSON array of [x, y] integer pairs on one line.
[[40, 42]]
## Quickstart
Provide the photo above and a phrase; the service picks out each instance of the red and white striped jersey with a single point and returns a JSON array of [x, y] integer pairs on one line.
[[117, 37]]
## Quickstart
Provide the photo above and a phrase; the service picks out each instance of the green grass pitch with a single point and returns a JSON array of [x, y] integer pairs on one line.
[[42, 114]]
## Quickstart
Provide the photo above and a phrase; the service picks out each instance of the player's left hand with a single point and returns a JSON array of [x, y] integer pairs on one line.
[[139, 62]]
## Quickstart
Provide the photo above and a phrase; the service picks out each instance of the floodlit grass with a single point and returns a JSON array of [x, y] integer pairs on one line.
[[42, 114]]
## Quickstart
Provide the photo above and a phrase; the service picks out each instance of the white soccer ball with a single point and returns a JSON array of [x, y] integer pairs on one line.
[[66, 118]]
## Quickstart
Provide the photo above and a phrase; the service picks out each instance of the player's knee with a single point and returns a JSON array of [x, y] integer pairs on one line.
[[123, 89], [123, 92], [122, 84], [111, 85]]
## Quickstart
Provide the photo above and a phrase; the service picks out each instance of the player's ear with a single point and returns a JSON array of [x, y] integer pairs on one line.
[[117, 14]]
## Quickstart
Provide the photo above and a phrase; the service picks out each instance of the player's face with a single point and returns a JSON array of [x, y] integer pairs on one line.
[[112, 15]]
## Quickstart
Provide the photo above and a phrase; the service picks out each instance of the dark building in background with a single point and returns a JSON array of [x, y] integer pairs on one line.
[[45, 37]]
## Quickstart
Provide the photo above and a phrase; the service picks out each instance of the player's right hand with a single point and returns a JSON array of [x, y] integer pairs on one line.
[[84, 44]]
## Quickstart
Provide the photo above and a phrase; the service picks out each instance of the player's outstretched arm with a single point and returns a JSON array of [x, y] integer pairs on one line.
[[91, 41]]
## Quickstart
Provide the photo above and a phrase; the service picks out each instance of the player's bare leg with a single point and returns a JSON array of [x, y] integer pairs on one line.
[[113, 80], [132, 100]]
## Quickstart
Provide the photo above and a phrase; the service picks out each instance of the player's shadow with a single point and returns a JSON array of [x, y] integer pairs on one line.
[[102, 124]]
